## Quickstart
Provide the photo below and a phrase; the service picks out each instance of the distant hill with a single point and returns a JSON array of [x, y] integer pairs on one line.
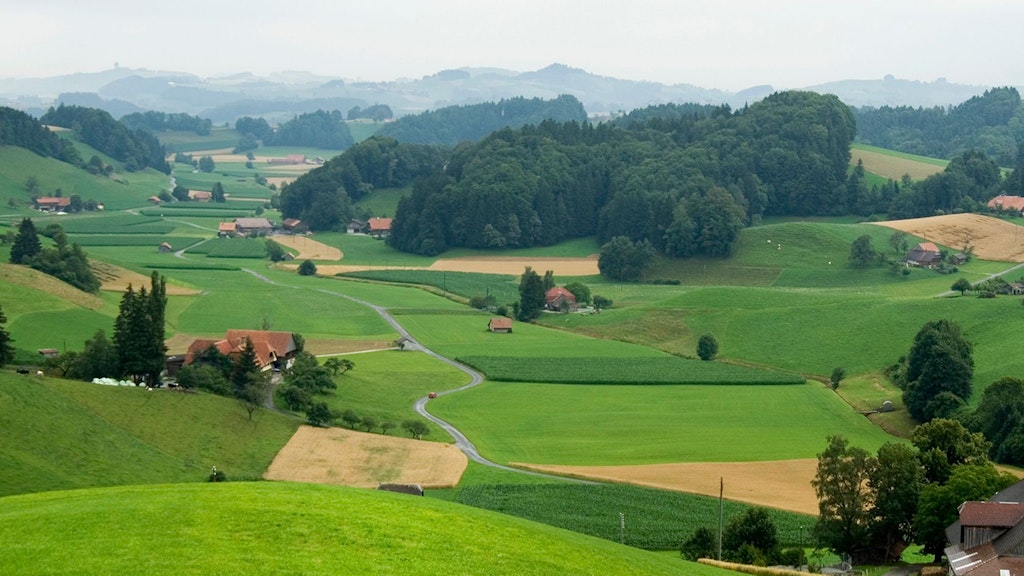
[[278, 97]]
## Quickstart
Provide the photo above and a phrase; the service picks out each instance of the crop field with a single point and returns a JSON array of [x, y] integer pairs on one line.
[[308, 249], [988, 237], [893, 165], [110, 224], [630, 425], [232, 248], [153, 240], [655, 519], [602, 370], [503, 287]]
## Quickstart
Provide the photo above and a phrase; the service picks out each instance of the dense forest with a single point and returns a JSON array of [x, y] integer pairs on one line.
[[19, 129], [138, 148], [454, 124], [162, 121], [992, 123], [318, 129]]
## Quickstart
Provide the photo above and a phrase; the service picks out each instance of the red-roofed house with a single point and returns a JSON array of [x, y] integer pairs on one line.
[[1001, 202], [378, 227], [226, 229], [500, 324], [51, 203], [988, 539], [200, 195], [560, 300], [273, 349], [925, 255]]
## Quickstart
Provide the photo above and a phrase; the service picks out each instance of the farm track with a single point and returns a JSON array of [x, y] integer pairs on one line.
[[461, 441]]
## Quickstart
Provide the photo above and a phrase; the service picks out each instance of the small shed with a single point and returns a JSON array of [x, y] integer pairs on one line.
[[500, 324], [164, 248], [48, 352], [958, 259]]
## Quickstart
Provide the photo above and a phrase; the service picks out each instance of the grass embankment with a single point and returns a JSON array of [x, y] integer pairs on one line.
[[75, 434], [273, 528]]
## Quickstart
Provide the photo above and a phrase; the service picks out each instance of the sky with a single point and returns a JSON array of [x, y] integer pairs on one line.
[[722, 44]]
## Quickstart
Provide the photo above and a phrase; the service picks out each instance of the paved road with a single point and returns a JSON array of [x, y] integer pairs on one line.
[[461, 441], [986, 279]]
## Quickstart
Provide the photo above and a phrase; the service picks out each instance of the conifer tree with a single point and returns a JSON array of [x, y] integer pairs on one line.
[[26, 244], [139, 332]]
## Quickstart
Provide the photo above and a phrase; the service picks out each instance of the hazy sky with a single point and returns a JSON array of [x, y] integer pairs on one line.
[[715, 44]]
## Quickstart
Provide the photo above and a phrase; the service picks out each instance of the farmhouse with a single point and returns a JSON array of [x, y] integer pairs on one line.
[[378, 227], [200, 195], [988, 538], [226, 229], [51, 204], [560, 300], [1012, 288], [500, 324], [49, 352], [253, 226], [273, 349], [164, 248], [1001, 202], [925, 255], [291, 159]]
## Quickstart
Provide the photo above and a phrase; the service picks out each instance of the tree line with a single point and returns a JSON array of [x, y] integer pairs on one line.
[[163, 121], [19, 129], [65, 261], [137, 149], [319, 129]]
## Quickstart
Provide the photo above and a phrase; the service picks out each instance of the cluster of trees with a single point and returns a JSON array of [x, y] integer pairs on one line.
[[750, 538], [323, 198], [454, 124], [936, 374], [66, 262], [137, 348], [163, 121], [138, 148], [307, 379], [19, 129], [377, 113], [533, 290], [965, 185], [870, 507], [319, 129], [990, 122], [686, 185]]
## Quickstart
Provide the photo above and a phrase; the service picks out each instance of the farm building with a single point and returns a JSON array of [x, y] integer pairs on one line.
[[164, 248], [988, 537], [291, 159], [958, 259], [49, 352], [1001, 202], [925, 255], [1012, 288], [293, 225], [226, 229], [253, 226], [200, 195], [355, 226], [273, 349], [500, 324], [51, 203], [560, 300], [378, 227]]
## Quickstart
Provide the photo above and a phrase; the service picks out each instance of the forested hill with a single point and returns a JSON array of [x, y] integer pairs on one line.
[[19, 129], [686, 184], [992, 123], [455, 124], [138, 148]]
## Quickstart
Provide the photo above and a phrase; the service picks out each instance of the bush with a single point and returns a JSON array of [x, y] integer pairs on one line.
[[307, 268], [707, 347], [319, 414]]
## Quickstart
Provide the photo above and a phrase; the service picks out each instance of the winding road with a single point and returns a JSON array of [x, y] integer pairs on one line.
[[461, 441]]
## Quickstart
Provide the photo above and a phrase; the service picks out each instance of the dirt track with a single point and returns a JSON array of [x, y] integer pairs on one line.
[[350, 458], [990, 238], [784, 484]]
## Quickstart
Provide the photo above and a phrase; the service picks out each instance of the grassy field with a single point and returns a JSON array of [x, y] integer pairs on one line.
[[282, 528], [503, 288], [892, 165], [74, 435], [620, 425]]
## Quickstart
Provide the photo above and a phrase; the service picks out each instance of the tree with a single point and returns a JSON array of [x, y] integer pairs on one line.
[[751, 534], [274, 251], [837, 376], [707, 347], [6, 349], [97, 360], [416, 428], [350, 418], [939, 361], [531, 296], [703, 543], [180, 193], [369, 423], [307, 373], [139, 332], [26, 244], [338, 366], [841, 484], [623, 259], [296, 398], [962, 285], [549, 280], [1000, 418], [580, 290], [307, 268], [243, 369], [862, 251], [943, 444], [319, 414], [895, 481], [898, 241], [217, 193], [206, 164], [386, 425], [600, 302]]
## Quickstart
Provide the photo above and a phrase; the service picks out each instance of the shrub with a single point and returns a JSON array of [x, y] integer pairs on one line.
[[707, 347], [307, 268]]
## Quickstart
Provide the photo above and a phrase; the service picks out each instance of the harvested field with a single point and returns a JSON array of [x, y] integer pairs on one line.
[[497, 265], [308, 248], [350, 458], [893, 167], [116, 279], [784, 484], [991, 238]]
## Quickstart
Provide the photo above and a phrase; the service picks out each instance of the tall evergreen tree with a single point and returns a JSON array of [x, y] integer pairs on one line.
[[6, 350], [139, 332], [242, 369], [531, 295], [26, 244]]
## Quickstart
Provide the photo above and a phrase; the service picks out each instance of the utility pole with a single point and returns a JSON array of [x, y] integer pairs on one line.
[[721, 513]]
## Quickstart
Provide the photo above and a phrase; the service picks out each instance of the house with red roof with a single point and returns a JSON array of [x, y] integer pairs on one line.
[[560, 300], [378, 227], [1001, 202], [925, 255], [227, 229], [500, 324], [988, 537], [51, 203], [273, 349]]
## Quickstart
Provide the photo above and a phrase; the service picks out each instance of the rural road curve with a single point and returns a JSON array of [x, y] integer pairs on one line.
[[985, 279], [461, 441]]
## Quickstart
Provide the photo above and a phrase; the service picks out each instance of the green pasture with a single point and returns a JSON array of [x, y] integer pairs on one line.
[[232, 248], [36, 319], [284, 528], [504, 288], [654, 519], [108, 223], [176, 242], [604, 370], [76, 434], [631, 425], [186, 141], [362, 250], [383, 202], [362, 130], [386, 384], [233, 187], [398, 299]]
